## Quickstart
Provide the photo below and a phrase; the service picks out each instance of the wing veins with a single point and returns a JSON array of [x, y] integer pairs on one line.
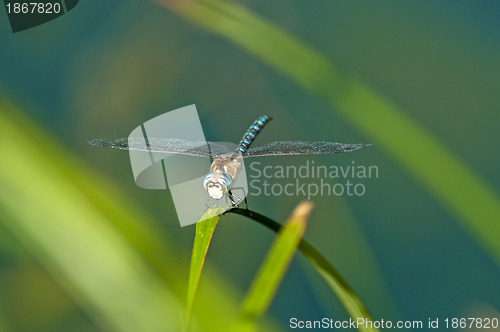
[[294, 148]]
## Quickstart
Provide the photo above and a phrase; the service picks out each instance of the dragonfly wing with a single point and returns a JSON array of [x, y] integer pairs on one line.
[[293, 148], [164, 145]]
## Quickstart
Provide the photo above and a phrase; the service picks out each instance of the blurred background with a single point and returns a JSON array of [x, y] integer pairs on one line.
[[83, 249]]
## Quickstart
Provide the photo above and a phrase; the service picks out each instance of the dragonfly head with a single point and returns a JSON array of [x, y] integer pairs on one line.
[[217, 184]]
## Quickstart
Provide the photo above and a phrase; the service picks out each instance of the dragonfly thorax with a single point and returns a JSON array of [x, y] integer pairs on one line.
[[217, 184], [223, 173]]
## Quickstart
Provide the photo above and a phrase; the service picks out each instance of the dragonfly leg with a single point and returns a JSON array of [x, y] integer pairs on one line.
[[235, 200], [244, 195], [231, 197], [208, 200]]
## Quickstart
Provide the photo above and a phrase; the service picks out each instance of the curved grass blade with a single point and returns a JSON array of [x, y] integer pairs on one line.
[[202, 238], [73, 238], [272, 271], [447, 178], [341, 288]]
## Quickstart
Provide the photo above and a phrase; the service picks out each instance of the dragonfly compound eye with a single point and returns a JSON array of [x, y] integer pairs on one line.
[[217, 184]]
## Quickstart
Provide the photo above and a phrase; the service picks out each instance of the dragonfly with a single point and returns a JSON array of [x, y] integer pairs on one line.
[[227, 164]]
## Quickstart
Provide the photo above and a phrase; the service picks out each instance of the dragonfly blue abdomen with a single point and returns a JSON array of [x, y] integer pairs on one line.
[[252, 132]]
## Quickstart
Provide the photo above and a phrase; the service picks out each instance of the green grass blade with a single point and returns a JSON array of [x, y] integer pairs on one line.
[[73, 238], [334, 279], [202, 238], [448, 178], [272, 271]]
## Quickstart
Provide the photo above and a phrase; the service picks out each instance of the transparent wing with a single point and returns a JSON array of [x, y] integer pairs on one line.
[[293, 148], [165, 145]]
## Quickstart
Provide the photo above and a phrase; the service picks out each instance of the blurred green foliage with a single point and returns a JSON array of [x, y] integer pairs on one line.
[[267, 280], [117, 269], [85, 250]]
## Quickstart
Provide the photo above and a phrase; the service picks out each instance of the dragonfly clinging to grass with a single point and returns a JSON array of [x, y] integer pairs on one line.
[[226, 164]]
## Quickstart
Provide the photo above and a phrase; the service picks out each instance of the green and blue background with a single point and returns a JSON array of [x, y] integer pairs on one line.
[[83, 249]]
